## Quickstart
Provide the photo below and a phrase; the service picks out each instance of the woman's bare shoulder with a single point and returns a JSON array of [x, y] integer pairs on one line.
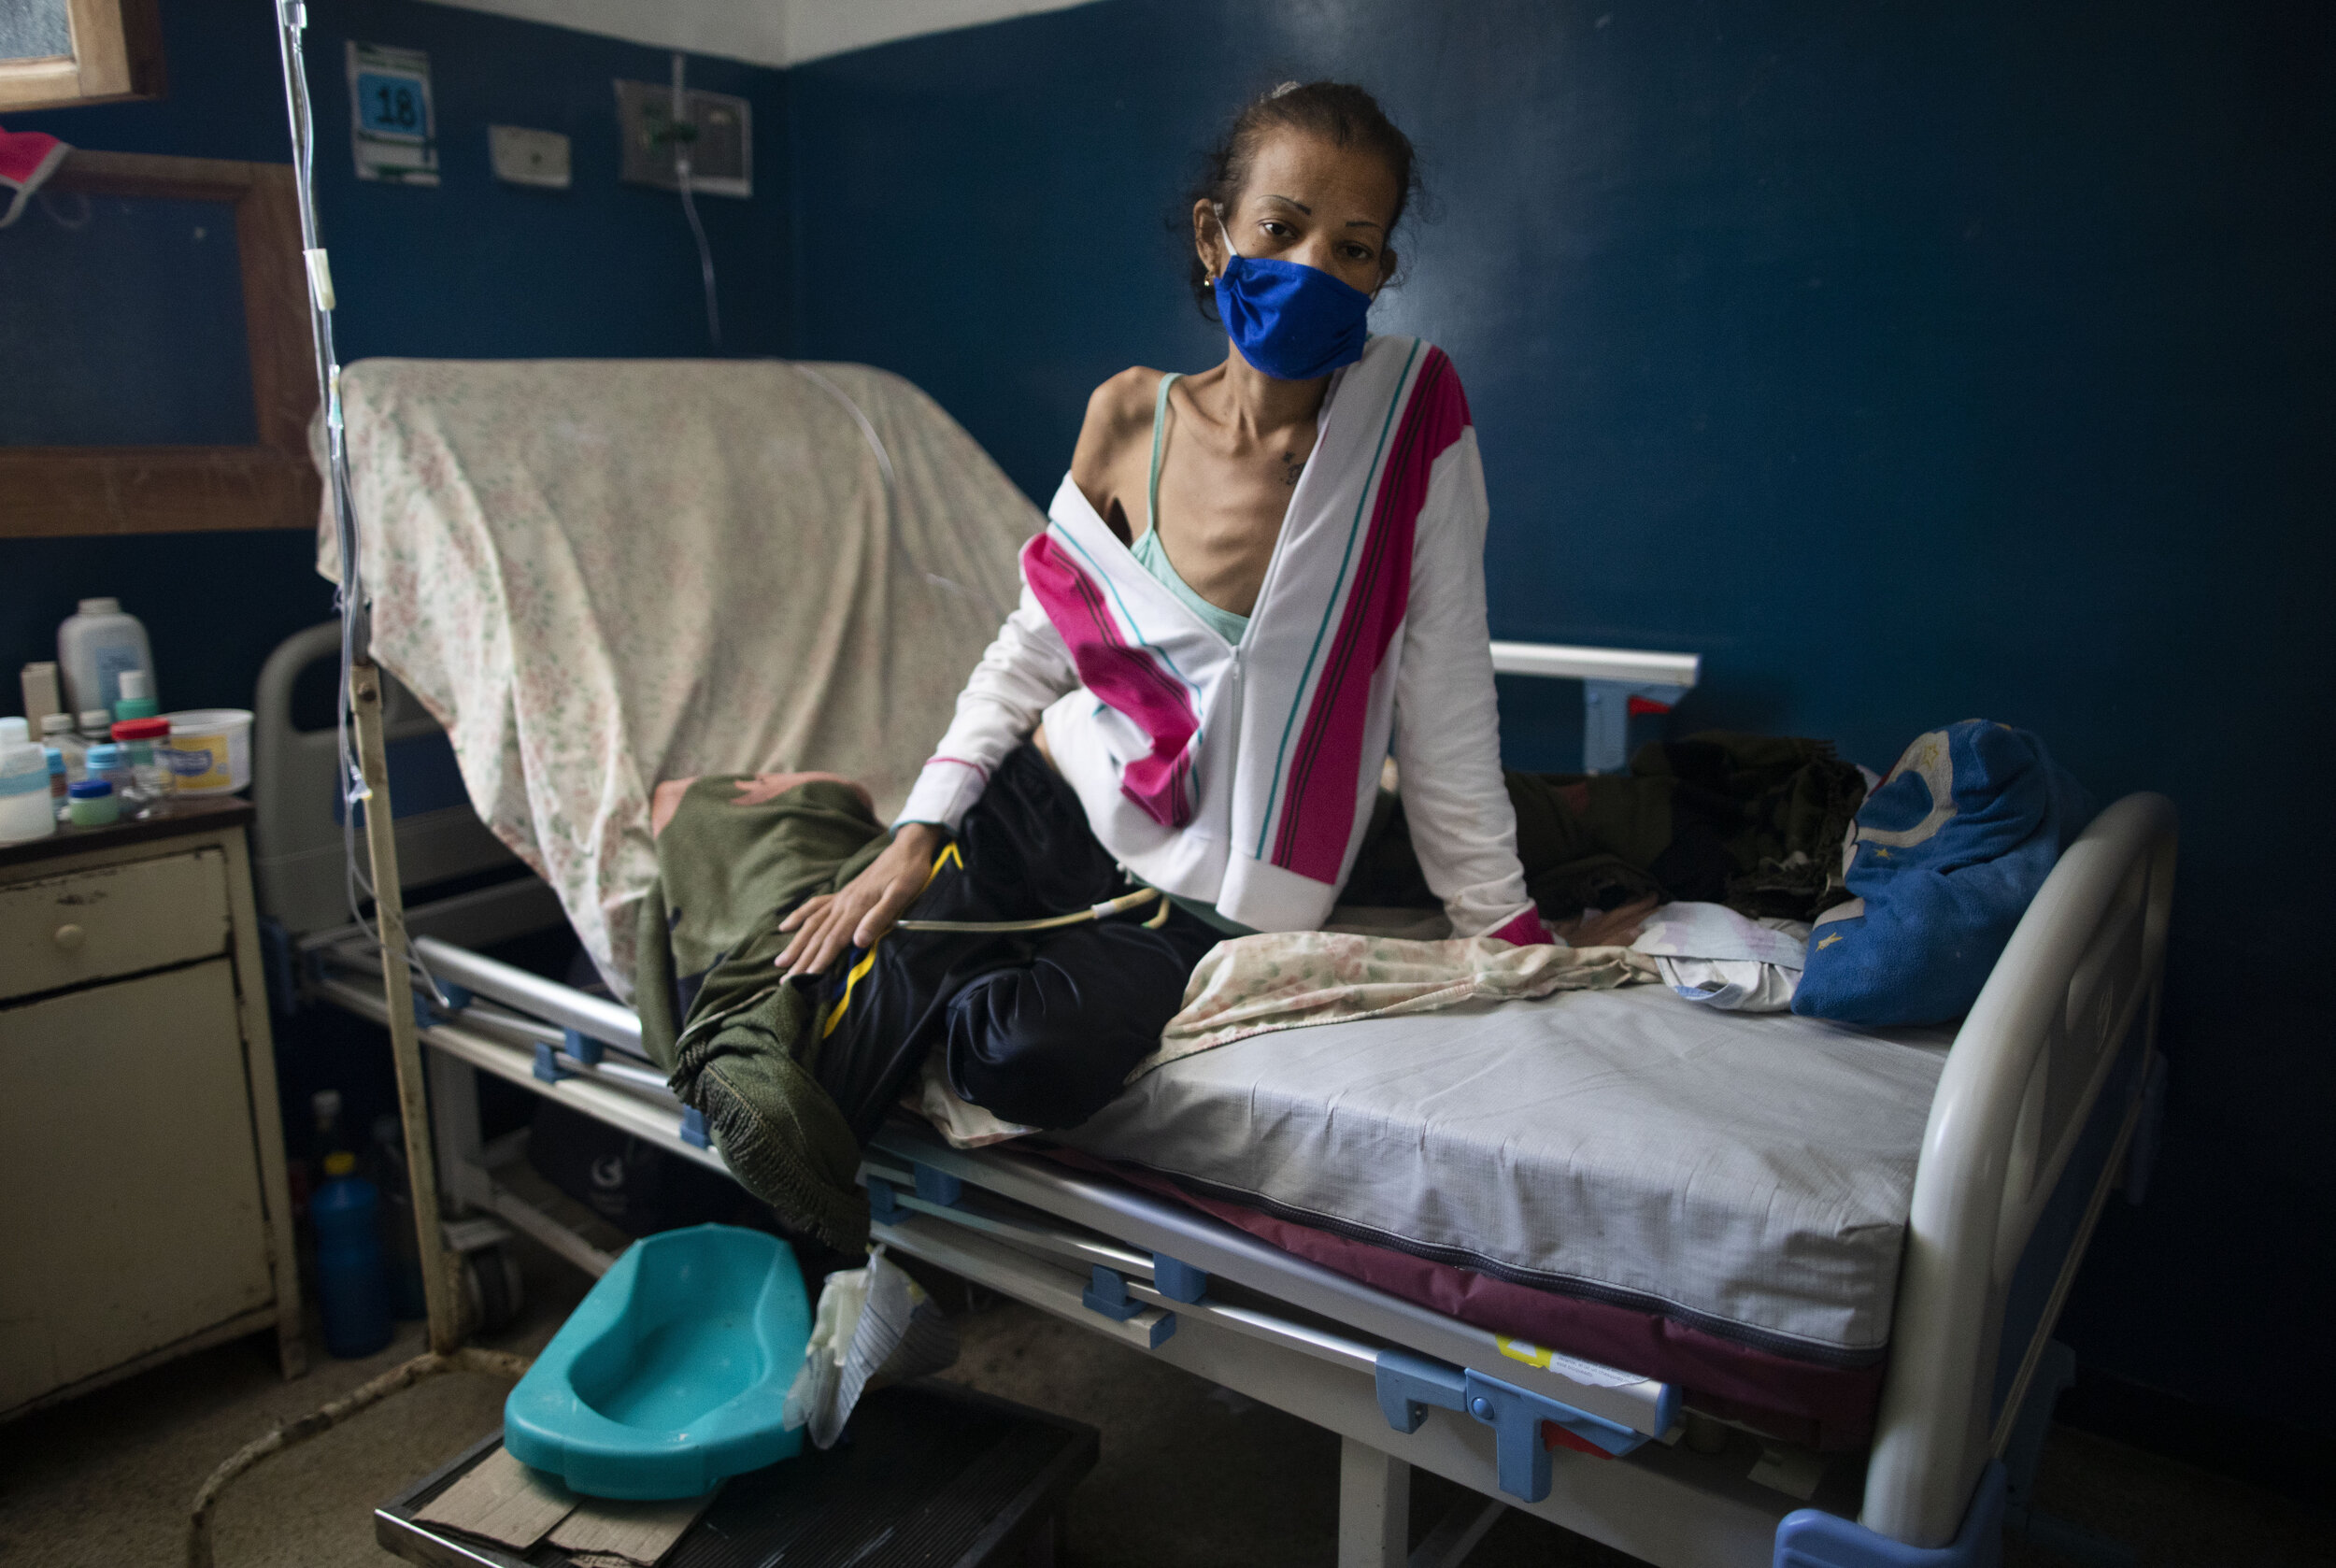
[[1119, 412]]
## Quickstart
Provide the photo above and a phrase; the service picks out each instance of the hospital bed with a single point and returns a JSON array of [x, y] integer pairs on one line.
[[1326, 1221]]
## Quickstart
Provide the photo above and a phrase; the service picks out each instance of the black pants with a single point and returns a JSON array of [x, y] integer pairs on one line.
[[1041, 1027]]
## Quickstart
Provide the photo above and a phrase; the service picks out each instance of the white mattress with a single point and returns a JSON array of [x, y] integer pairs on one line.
[[1748, 1174]]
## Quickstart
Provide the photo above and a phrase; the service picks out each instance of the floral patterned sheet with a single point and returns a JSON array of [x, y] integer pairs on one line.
[[601, 573], [1294, 980]]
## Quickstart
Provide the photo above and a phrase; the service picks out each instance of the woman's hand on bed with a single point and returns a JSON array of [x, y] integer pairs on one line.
[[829, 925]]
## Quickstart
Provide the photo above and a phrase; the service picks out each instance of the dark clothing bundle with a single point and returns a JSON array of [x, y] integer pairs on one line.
[[1756, 822], [1040, 1027]]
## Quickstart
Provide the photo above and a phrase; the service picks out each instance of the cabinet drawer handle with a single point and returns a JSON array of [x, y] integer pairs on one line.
[[70, 937]]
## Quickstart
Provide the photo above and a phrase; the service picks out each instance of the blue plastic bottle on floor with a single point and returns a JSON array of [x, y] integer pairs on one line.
[[352, 1284]]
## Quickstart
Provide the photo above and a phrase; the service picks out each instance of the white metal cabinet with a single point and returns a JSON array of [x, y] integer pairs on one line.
[[143, 1210]]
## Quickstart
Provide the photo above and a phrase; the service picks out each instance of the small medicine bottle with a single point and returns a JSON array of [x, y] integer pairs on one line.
[[92, 803], [111, 763]]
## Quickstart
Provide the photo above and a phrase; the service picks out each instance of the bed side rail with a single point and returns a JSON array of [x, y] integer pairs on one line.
[[1150, 1229], [2080, 975]]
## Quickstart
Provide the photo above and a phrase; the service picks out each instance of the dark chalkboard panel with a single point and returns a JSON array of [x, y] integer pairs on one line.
[[122, 321]]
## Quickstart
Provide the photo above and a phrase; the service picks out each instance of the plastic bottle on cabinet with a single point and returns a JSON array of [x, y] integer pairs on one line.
[[350, 1284], [56, 730], [146, 742], [137, 696], [111, 763], [26, 809], [90, 803], [93, 648]]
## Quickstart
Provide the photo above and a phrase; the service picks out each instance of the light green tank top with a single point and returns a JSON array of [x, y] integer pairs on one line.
[[1153, 558]]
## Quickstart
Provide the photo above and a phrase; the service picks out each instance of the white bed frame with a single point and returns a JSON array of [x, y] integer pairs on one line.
[[2025, 1145]]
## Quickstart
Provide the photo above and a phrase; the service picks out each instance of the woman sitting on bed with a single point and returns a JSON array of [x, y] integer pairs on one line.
[[1254, 579]]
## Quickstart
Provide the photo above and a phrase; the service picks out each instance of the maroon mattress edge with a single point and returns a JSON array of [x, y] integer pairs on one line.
[[1830, 1409]]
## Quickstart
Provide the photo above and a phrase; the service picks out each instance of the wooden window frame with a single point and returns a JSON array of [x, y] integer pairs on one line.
[[272, 483], [117, 54]]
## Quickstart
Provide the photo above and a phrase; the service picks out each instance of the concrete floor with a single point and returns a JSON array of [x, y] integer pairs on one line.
[[1190, 1475]]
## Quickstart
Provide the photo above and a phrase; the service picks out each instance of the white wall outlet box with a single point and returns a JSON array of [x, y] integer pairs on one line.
[[721, 148], [525, 157]]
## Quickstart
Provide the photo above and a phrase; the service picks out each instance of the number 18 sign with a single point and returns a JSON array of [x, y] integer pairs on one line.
[[390, 117]]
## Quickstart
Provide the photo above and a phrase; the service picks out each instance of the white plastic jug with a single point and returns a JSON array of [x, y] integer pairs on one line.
[[26, 809], [93, 648]]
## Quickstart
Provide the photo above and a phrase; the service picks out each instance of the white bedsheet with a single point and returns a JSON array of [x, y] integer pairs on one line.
[[599, 574], [1751, 1174]]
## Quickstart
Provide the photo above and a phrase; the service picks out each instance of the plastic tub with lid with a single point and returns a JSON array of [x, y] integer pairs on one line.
[[211, 750]]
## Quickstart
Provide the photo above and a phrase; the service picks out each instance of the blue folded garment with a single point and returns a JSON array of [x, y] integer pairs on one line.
[[1950, 848]]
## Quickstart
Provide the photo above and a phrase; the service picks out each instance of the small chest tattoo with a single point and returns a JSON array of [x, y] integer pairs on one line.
[[1292, 466]]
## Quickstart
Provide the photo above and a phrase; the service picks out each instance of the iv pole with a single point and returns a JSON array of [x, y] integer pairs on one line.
[[365, 784]]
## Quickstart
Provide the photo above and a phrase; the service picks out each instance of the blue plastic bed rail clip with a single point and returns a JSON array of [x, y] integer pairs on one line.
[[548, 1063], [582, 1047], [693, 1128], [1812, 1538], [1408, 1384], [937, 1187], [1177, 1282], [1107, 1293], [883, 1204], [427, 1011]]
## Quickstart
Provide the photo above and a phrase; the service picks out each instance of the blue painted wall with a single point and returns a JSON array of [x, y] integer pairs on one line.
[[470, 269], [1910, 364]]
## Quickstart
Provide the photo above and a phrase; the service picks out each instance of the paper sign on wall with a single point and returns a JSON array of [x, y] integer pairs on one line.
[[390, 119]]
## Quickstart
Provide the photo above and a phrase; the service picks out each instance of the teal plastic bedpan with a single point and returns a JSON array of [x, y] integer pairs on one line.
[[671, 1375]]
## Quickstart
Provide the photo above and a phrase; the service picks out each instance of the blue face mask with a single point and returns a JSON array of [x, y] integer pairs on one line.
[[1293, 321]]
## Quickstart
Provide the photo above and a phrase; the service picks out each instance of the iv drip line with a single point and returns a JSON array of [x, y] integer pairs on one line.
[[683, 132]]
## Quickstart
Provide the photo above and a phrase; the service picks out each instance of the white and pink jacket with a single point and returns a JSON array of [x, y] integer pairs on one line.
[[1242, 776]]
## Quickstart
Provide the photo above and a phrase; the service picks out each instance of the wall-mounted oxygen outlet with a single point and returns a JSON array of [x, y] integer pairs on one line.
[[720, 130]]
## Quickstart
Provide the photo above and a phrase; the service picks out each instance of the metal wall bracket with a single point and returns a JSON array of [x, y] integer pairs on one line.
[[1408, 1384], [1606, 709]]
